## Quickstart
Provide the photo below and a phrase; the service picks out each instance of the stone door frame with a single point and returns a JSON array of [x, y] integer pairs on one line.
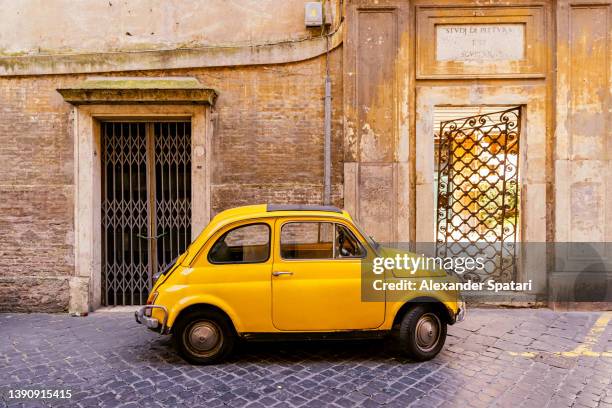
[[532, 163], [85, 285]]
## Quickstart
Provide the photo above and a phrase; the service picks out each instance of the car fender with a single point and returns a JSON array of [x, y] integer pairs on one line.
[[204, 299], [395, 306]]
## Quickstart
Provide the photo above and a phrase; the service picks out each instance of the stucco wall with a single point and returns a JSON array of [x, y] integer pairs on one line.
[[68, 26]]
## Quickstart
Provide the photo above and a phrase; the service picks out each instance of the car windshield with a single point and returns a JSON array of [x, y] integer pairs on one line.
[[371, 241]]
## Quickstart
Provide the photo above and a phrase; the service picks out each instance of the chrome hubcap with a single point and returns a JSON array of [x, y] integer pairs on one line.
[[204, 337], [427, 332]]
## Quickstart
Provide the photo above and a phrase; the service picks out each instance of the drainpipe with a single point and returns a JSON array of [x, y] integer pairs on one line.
[[327, 148], [327, 126]]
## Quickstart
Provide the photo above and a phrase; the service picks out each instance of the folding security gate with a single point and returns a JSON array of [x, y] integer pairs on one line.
[[478, 192], [146, 204]]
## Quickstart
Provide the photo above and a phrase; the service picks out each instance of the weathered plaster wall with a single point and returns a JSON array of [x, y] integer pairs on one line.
[[584, 119], [67, 26], [376, 105], [267, 147], [583, 142], [62, 37]]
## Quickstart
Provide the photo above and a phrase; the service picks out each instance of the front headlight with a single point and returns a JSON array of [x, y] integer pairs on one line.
[[150, 301]]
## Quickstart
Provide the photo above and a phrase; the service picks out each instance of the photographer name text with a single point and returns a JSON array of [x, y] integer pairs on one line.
[[435, 285]]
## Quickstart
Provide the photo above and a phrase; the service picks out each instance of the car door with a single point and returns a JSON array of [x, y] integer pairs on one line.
[[316, 285], [233, 271]]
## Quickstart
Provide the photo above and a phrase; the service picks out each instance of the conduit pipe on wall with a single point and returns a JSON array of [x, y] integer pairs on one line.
[[327, 123], [327, 146]]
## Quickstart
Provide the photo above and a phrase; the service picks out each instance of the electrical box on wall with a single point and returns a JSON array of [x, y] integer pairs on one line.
[[313, 16]]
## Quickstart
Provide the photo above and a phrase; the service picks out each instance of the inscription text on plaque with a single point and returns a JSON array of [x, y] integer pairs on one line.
[[480, 42]]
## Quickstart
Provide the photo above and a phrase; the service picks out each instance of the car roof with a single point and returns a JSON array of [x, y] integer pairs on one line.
[[302, 207], [247, 212], [279, 210]]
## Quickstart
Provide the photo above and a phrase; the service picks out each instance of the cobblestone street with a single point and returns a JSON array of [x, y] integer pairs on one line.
[[532, 358]]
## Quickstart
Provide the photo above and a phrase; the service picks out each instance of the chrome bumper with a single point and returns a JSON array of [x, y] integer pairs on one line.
[[150, 322]]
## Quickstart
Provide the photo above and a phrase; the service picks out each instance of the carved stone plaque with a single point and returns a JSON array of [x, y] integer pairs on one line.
[[480, 42]]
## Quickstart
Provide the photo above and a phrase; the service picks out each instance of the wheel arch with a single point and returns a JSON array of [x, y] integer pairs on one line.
[[204, 306], [438, 306]]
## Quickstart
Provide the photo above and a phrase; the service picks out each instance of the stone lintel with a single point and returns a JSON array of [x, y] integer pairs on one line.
[[139, 90]]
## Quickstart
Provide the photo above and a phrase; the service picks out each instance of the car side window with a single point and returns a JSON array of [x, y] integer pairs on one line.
[[244, 244], [347, 246], [307, 240]]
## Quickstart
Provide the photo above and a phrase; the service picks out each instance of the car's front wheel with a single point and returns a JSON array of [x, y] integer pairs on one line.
[[422, 333], [203, 337]]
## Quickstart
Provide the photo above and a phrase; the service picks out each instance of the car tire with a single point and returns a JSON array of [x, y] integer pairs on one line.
[[204, 337], [422, 333]]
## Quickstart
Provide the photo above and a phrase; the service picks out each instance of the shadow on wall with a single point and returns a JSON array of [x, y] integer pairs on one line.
[[582, 273]]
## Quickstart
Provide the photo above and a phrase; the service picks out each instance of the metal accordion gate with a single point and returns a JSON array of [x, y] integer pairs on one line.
[[478, 200], [146, 204]]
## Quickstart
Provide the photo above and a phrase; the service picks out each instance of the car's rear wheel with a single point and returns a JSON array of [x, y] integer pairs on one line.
[[422, 333], [203, 337]]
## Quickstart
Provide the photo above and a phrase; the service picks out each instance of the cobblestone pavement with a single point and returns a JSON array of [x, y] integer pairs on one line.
[[532, 358]]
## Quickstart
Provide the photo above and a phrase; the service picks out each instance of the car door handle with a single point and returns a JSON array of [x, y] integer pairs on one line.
[[279, 273]]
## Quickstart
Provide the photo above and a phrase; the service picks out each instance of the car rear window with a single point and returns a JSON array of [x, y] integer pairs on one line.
[[244, 244]]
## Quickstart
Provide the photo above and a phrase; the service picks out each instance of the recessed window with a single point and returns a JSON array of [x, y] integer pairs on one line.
[[244, 244]]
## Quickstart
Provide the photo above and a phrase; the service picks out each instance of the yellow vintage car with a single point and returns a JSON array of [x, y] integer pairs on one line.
[[291, 272]]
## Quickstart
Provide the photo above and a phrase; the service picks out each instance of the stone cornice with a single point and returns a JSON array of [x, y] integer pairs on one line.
[[278, 53]]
